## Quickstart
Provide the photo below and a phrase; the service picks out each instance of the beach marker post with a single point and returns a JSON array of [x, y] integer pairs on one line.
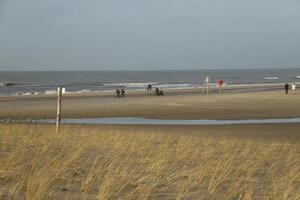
[[206, 85], [58, 113], [220, 83]]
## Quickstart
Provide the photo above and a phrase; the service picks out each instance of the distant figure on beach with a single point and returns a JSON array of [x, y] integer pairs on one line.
[[117, 93], [123, 92], [286, 87], [294, 88], [149, 87], [161, 92], [157, 92]]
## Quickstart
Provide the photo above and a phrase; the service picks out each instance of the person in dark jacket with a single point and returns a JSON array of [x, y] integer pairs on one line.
[[149, 87], [123, 92], [117, 93], [157, 92], [286, 87]]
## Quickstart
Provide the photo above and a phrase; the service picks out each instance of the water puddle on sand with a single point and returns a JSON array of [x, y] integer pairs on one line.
[[144, 121]]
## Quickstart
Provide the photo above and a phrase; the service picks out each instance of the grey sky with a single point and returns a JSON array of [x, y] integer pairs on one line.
[[148, 34]]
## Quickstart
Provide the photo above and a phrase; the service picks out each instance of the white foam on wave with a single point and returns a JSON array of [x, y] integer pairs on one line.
[[271, 78], [131, 85], [79, 92], [48, 92], [178, 86], [88, 91]]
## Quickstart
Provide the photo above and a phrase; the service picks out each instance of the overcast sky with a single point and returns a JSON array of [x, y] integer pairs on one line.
[[148, 34]]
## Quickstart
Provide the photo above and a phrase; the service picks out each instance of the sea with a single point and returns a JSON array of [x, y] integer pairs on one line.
[[46, 82]]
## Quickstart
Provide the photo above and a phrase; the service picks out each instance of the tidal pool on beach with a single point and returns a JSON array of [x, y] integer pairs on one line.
[[145, 121]]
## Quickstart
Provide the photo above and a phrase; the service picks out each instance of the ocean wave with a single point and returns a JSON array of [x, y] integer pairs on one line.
[[154, 84], [177, 85], [11, 84], [48, 92], [79, 91], [50, 85], [130, 85], [271, 78], [83, 84], [28, 93]]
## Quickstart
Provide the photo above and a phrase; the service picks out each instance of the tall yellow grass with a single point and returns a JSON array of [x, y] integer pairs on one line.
[[92, 163]]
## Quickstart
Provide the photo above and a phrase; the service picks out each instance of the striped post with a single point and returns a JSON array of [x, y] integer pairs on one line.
[[58, 113]]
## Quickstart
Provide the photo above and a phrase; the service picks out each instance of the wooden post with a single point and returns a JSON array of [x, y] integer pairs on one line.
[[203, 89], [206, 85], [207, 82], [58, 114]]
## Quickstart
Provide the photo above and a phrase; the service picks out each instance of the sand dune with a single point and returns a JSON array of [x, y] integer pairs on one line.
[[117, 162]]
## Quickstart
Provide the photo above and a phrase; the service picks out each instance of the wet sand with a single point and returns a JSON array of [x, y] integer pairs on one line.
[[176, 104]]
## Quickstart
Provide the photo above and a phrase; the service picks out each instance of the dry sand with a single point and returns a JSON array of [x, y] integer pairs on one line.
[[186, 104]]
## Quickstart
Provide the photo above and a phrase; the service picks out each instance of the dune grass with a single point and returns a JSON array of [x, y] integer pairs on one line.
[[100, 163]]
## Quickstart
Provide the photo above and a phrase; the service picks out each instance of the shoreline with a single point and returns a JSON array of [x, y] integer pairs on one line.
[[213, 88]]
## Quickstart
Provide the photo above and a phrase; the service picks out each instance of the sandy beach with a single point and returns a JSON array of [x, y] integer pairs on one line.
[[176, 104], [256, 161]]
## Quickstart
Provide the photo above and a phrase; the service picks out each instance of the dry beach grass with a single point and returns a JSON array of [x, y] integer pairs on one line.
[[98, 162]]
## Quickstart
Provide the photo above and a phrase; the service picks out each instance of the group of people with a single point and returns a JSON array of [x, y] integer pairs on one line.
[[287, 87], [159, 92], [120, 93]]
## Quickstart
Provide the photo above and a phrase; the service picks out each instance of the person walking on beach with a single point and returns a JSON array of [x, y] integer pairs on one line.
[[286, 87], [149, 87], [293, 88], [123, 92], [117, 93], [157, 92], [161, 92]]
